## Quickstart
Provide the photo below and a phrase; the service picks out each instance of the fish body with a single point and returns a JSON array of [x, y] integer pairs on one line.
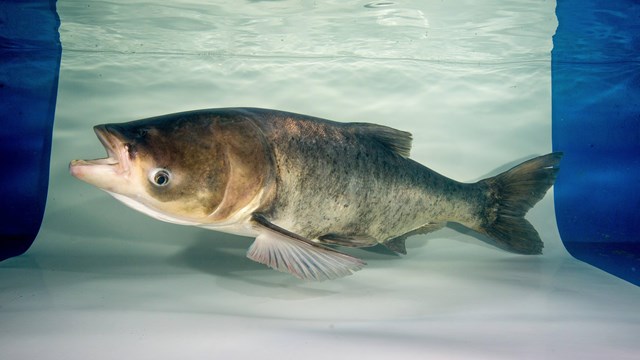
[[299, 184]]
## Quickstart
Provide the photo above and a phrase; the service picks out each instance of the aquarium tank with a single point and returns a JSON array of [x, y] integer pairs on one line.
[[481, 85]]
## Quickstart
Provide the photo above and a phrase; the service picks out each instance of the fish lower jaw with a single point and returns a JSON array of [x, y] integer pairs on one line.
[[98, 166], [105, 161]]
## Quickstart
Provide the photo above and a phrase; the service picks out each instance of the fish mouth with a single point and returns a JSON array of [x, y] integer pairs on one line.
[[117, 159]]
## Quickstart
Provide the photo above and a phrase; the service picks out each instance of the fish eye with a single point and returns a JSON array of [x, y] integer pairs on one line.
[[160, 177]]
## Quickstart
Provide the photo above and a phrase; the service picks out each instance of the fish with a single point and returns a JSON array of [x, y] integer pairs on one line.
[[305, 187]]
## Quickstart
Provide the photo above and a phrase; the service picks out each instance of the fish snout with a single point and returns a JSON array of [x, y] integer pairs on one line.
[[104, 171]]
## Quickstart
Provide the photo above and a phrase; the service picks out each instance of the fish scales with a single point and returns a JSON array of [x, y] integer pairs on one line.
[[334, 178]]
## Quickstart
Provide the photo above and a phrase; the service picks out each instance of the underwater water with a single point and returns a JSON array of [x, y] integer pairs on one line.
[[471, 81]]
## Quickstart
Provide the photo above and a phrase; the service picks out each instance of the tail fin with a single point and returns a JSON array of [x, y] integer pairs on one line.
[[511, 195]]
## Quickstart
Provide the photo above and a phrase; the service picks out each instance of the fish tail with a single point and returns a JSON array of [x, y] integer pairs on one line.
[[510, 196]]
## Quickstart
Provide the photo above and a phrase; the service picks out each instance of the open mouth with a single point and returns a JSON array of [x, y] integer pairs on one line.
[[110, 143], [116, 160]]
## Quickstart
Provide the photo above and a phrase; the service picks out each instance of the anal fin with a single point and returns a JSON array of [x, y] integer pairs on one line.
[[285, 251], [397, 244]]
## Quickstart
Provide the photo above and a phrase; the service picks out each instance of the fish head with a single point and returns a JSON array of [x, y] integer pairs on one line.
[[190, 170]]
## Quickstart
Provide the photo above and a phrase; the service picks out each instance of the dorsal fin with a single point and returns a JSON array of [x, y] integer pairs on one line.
[[395, 140]]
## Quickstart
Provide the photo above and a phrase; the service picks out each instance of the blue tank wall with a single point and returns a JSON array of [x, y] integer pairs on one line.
[[30, 53], [596, 117]]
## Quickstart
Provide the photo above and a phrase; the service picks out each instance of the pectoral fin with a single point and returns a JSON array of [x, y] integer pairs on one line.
[[285, 251]]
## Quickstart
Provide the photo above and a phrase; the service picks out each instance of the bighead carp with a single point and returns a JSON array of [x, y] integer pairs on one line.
[[302, 185]]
